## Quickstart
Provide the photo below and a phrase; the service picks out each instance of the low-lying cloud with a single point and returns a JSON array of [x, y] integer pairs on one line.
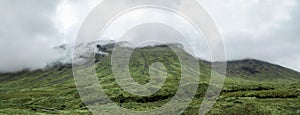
[[27, 34]]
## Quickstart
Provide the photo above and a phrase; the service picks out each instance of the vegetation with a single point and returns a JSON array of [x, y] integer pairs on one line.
[[251, 87]]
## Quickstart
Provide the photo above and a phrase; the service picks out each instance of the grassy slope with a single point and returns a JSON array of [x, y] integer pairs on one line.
[[252, 87]]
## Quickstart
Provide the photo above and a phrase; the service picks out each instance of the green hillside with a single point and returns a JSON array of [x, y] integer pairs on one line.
[[251, 86]]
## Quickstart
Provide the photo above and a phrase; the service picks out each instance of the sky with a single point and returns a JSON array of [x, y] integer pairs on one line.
[[262, 29]]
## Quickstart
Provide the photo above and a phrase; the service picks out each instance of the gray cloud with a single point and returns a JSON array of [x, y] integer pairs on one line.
[[261, 29], [27, 34]]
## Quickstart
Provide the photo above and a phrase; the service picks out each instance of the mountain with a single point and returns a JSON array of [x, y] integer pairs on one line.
[[260, 70], [251, 86]]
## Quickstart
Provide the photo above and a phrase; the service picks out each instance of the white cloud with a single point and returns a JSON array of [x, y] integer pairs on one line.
[[70, 14], [250, 17], [261, 29]]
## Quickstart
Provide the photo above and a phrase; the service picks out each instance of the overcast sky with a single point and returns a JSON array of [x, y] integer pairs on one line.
[[261, 29]]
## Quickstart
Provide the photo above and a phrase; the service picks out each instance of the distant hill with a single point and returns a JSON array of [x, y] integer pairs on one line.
[[259, 70]]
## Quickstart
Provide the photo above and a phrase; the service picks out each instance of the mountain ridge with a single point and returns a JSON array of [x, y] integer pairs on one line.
[[237, 67]]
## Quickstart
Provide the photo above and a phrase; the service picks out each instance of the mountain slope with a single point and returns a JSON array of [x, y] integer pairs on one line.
[[260, 70], [252, 86]]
